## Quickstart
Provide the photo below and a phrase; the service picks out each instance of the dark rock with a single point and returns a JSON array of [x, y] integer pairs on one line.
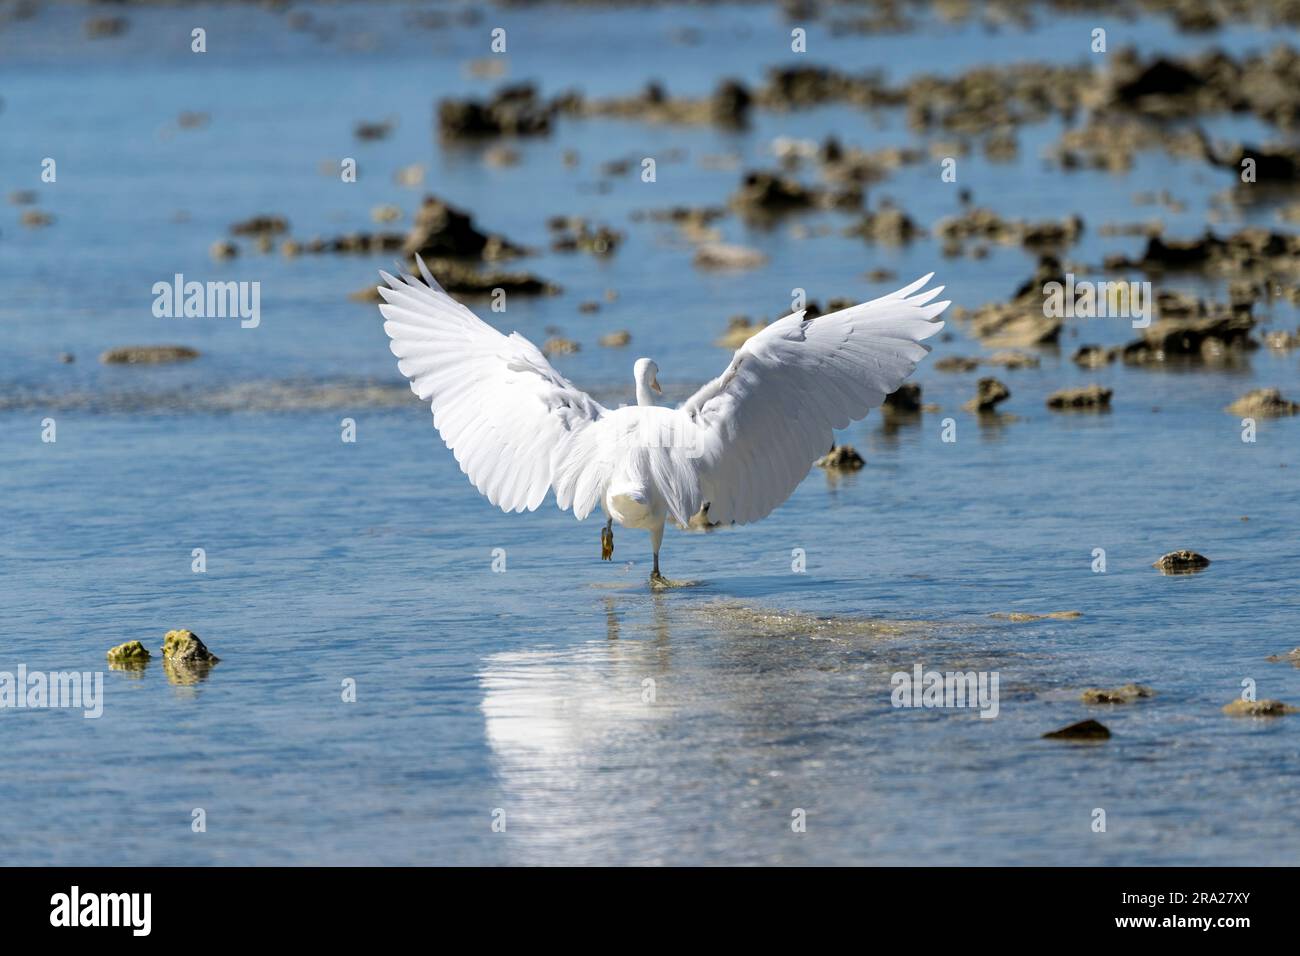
[[441, 230], [989, 394], [771, 193], [514, 110], [372, 131], [264, 225], [1083, 730], [1092, 397], [730, 104], [906, 399]]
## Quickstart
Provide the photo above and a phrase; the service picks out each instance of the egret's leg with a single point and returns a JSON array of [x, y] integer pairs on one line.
[[656, 539], [607, 541]]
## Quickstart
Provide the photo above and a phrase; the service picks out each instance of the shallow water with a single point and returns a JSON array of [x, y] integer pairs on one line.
[[524, 691]]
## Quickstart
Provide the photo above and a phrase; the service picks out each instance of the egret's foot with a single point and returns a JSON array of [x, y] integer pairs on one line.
[[607, 543], [660, 583]]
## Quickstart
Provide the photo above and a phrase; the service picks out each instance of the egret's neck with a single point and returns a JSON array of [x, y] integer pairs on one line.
[[643, 394]]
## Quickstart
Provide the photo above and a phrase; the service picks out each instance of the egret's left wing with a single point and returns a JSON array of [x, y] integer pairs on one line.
[[766, 419]]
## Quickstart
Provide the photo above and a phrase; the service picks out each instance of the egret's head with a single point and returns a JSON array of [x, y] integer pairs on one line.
[[646, 372]]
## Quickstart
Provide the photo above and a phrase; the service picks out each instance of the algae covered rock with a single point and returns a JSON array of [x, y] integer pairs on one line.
[[184, 647], [616, 340], [739, 331], [1083, 730], [148, 354], [1258, 708], [1021, 616], [1013, 360], [130, 654], [989, 394], [1263, 403], [1181, 562], [841, 458], [558, 345], [1092, 397], [1116, 695], [956, 363]]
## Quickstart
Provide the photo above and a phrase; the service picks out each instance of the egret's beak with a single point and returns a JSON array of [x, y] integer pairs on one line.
[[654, 383]]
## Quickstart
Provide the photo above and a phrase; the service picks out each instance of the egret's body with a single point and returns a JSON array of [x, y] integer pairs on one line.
[[729, 455]]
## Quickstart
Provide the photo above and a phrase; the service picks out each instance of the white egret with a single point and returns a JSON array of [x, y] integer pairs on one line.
[[729, 455]]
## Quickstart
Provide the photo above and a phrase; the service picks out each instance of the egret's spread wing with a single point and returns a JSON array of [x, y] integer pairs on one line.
[[507, 415], [767, 418]]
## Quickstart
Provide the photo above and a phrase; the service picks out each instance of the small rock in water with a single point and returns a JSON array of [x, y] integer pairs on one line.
[[1019, 616], [956, 363], [35, 219], [615, 340], [265, 224], [989, 394], [767, 192], [841, 458], [1292, 655], [1090, 397], [1013, 360], [1263, 403], [501, 156], [556, 345], [410, 176], [130, 654], [1258, 708], [148, 354], [1116, 695], [1083, 730], [905, 399], [1093, 356], [441, 229], [1282, 340], [1181, 562], [222, 249], [369, 130], [739, 331], [717, 255], [97, 28], [184, 647]]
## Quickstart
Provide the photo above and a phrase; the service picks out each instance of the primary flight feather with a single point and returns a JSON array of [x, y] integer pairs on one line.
[[730, 454]]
